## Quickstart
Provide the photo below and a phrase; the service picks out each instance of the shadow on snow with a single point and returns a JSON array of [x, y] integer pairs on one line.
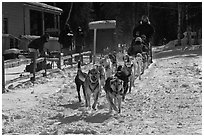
[[73, 105], [91, 118], [94, 117]]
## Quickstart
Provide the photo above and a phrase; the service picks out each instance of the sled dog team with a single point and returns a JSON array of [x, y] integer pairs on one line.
[[114, 79]]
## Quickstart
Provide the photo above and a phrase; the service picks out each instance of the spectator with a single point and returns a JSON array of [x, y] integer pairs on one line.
[[37, 45], [79, 40], [66, 37]]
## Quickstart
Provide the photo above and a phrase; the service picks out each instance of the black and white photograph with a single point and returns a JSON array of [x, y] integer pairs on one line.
[[101, 67]]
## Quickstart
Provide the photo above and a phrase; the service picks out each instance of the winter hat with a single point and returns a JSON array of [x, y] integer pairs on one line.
[[138, 39]]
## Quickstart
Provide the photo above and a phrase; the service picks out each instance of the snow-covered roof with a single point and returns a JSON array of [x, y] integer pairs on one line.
[[44, 6], [103, 24], [31, 37]]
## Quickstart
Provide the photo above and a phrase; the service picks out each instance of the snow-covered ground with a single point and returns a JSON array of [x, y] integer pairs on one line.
[[168, 100]]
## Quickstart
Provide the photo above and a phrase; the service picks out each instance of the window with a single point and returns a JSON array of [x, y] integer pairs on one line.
[[35, 23], [49, 20], [51, 24], [5, 26]]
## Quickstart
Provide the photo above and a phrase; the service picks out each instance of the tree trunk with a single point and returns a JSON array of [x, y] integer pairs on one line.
[[68, 17]]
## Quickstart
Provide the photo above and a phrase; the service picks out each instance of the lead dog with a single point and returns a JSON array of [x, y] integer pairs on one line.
[[114, 92], [91, 85]]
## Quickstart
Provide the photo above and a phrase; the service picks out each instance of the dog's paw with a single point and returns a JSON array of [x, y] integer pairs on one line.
[[119, 111], [93, 108], [79, 100], [116, 114], [89, 111]]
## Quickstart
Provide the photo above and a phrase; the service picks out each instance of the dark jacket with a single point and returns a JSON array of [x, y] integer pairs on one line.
[[38, 43], [145, 48], [144, 29], [65, 38], [79, 40]]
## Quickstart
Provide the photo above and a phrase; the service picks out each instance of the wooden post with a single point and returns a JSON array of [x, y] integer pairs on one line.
[[90, 57], [60, 57], [94, 50], [58, 20], [34, 56], [71, 60], [81, 58], [59, 62], [45, 67], [3, 76], [72, 44]]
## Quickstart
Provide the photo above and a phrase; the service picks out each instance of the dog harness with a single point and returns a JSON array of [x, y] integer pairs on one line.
[[92, 89], [115, 93]]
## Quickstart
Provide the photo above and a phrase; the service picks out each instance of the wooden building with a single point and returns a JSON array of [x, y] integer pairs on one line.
[[24, 21]]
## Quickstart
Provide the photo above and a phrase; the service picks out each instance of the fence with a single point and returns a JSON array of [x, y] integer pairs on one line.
[[60, 61]]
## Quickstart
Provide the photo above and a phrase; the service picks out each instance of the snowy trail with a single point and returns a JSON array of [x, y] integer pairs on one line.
[[168, 100]]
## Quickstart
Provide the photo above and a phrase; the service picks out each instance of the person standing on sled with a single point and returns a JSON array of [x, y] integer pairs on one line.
[[144, 28]]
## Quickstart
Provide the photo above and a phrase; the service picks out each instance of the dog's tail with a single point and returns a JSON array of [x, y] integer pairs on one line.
[[80, 74], [79, 65]]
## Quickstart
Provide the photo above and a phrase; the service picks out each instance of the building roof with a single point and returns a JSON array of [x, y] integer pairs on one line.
[[44, 6], [103, 24]]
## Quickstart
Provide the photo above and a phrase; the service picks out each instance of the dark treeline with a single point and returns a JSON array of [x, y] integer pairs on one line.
[[163, 16]]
